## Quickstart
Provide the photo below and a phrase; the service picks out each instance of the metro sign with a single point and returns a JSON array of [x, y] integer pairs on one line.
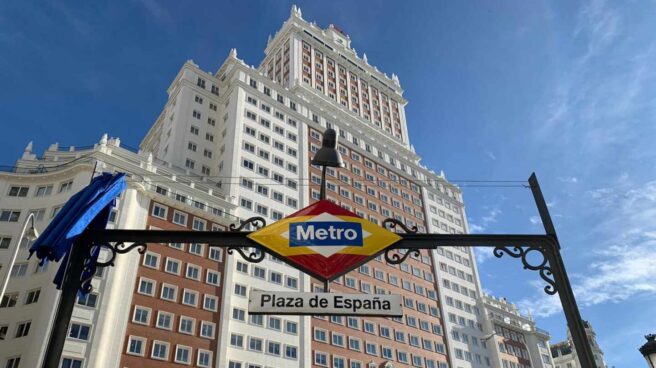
[[324, 240]]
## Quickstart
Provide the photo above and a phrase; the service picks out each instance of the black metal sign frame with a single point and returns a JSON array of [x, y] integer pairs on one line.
[[551, 268]]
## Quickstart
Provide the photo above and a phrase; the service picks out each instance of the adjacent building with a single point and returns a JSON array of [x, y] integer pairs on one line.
[[514, 339], [122, 306], [564, 354]]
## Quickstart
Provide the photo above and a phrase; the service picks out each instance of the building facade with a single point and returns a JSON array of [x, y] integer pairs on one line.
[[515, 340], [564, 354], [107, 324], [258, 129], [231, 145]]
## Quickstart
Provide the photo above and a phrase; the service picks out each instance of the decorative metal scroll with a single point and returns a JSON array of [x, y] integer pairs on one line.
[[92, 263], [543, 267], [395, 256], [391, 224], [257, 222], [252, 255]]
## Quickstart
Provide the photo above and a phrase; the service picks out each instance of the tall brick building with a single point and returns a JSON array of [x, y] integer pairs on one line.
[[237, 143]]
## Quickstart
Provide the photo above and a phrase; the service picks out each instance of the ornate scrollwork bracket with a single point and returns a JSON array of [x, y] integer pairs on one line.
[[252, 255], [542, 267], [391, 224], [395, 256], [257, 222], [92, 263]]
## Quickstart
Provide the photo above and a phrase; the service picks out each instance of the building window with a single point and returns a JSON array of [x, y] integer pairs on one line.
[[193, 272], [79, 332], [164, 320], [255, 344], [210, 303], [172, 266], [238, 314], [146, 286], [320, 359], [186, 325], [151, 260], [204, 358], [182, 354], [136, 345], [141, 315], [169, 292], [216, 254], [16, 191], [275, 277], [213, 277], [291, 352], [43, 191], [274, 323], [67, 363], [207, 329], [273, 348], [87, 300], [65, 186], [160, 350], [190, 297], [9, 216]]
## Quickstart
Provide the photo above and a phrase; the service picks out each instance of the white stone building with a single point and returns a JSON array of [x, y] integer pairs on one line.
[[564, 354], [515, 340]]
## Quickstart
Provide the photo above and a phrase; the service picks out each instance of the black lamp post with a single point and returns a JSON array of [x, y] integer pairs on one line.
[[327, 156], [648, 350]]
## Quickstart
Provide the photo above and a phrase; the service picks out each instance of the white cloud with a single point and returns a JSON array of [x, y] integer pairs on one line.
[[624, 265], [483, 254], [486, 220], [535, 220], [491, 216], [568, 179], [490, 155], [601, 93], [476, 228]]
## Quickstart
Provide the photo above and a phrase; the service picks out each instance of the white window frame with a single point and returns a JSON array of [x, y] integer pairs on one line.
[[198, 364], [207, 323], [154, 283], [152, 350], [149, 312], [182, 347], [186, 217], [157, 256], [159, 313], [190, 291], [193, 325], [143, 341], [193, 266], [175, 292], [216, 302]]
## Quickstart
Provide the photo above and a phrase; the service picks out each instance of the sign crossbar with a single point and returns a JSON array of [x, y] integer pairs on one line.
[[550, 267]]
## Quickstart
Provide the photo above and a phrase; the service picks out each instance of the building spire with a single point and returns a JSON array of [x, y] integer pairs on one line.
[[296, 11]]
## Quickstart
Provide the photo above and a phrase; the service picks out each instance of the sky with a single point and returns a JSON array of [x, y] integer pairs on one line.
[[496, 91]]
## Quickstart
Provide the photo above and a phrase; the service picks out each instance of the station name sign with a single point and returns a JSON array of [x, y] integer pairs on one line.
[[293, 303]]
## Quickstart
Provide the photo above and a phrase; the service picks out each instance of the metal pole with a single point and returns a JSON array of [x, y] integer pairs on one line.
[[70, 286], [322, 190], [5, 282], [565, 292]]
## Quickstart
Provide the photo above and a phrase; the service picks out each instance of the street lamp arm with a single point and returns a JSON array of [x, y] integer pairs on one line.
[[32, 234]]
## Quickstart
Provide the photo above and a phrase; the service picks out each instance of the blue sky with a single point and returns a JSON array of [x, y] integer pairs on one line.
[[565, 89]]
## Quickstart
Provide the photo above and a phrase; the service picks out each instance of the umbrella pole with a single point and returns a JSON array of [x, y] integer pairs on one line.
[[70, 286]]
